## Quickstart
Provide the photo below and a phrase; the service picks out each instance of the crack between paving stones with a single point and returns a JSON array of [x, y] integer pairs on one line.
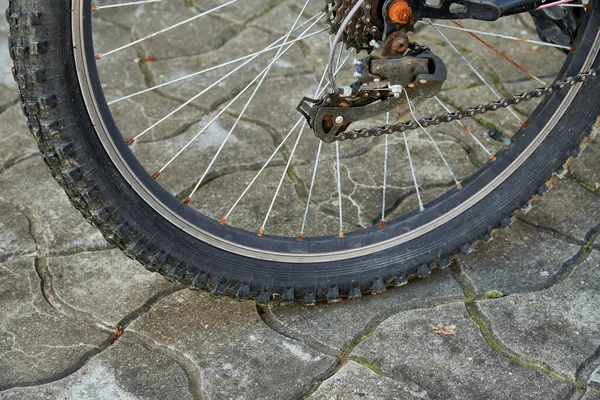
[[583, 184], [104, 345], [551, 231], [496, 344], [70, 370], [271, 321], [16, 161], [147, 306], [192, 372], [5, 106], [584, 372]]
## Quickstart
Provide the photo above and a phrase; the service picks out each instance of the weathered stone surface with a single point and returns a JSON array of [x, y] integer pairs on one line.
[[63, 227], [583, 206], [337, 325], [566, 328], [36, 342], [454, 366], [104, 284], [125, 371], [357, 381], [519, 259], [591, 394], [16, 143], [15, 239], [239, 356]]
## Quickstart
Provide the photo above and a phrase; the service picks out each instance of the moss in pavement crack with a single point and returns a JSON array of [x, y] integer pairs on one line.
[[486, 331], [367, 364]]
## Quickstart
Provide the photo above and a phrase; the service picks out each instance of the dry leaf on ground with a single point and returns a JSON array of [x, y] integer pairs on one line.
[[445, 330]]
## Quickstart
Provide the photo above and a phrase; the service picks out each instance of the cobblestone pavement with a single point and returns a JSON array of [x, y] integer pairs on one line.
[[521, 315]]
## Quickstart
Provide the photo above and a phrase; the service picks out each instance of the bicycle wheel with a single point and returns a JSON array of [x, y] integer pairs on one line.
[[173, 128]]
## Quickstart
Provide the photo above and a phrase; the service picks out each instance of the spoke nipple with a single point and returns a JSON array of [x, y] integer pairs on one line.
[[573, 49], [261, 232], [150, 58], [382, 223], [587, 6], [223, 221], [525, 125], [130, 141], [187, 201], [97, 57], [94, 8], [341, 233], [493, 157], [156, 175], [301, 237], [459, 186]]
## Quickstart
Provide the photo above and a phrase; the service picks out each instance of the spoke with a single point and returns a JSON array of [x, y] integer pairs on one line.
[[310, 191], [496, 35], [339, 186], [283, 175], [213, 85], [264, 76], [467, 130], [481, 78], [412, 171], [264, 71], [271, 47], [131, 3], [412, 111], [501, 54], [261, 231], [300, 120], [385, 165], [186, 21], [224, 219]]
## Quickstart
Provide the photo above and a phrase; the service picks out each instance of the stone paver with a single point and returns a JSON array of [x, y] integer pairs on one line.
[[508, 266], [584, 206], [454, 366], [357, 381], [238, 355], [64, 290], [125, 371], [566, 329], [37, 342]]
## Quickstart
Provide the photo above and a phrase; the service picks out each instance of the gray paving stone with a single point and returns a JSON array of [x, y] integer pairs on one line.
[[15, 239], [559, 327], [519, 259], [16, 143], [336, 326], [239, 356], [455, 366], [583, 210], [246, 149], [591, 394], [103, 284], [36, 341], [357, 381], [65, 231], [125, 371]]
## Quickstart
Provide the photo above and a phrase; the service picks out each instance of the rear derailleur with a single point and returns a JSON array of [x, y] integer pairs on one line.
[[384, 80]]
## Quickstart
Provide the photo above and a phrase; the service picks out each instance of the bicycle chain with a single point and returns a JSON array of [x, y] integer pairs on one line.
[[472, 111]]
